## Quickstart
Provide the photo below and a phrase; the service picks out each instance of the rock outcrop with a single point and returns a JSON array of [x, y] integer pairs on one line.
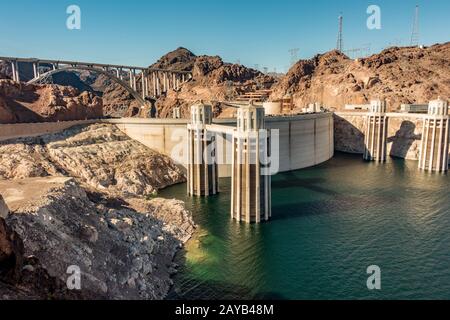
[[85, 197], [100, 156], [120, 252], [21, 102], [11, 248], [399, 75]]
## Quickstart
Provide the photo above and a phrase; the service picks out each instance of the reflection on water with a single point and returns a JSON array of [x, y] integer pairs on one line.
[[329, 224]]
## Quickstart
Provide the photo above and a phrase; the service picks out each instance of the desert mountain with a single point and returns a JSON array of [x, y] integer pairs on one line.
[[399, 75]]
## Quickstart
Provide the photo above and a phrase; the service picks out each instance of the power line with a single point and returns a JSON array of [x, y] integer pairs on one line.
[[415, 37]]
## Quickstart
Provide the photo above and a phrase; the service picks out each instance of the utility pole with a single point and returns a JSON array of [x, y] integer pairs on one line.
[[340, 40], [294, 55], [415, 30]]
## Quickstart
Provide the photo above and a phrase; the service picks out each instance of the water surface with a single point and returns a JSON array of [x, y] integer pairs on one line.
[[329, 224]]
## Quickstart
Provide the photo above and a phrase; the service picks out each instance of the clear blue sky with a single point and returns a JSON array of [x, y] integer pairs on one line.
[[259, 32]]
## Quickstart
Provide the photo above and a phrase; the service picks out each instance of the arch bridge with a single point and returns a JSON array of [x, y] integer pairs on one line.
[[140, 82]]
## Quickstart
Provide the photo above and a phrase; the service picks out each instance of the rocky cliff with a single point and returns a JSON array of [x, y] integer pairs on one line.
[[85, 197], [399, 75], [21, 102]]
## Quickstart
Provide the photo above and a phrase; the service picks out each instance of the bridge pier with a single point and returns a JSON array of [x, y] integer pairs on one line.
[[15, 71], [134, 80], [435, 138], [376, 132], [250, 189], [154, 83], [158, 84], [35, 70], [165, 81], [143, 84], [202, 167], [130, 72]]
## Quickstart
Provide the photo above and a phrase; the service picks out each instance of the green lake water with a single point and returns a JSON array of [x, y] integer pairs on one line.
[[329, 224]]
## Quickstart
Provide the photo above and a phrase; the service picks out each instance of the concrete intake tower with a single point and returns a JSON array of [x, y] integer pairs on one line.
[[435, 138], [201, 167], [251, 194], [376, 132]]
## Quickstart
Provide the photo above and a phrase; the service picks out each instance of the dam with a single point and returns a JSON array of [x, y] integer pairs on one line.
[[296, 142]]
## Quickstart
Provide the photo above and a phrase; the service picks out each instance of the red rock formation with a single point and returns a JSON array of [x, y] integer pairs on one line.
[[20, 102]]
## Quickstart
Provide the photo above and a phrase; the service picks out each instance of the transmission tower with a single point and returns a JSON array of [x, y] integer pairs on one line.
[[415, 30], [294, 55], [340, 41]]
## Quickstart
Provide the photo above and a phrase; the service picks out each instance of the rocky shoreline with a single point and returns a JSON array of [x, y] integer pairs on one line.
[[86, 198]]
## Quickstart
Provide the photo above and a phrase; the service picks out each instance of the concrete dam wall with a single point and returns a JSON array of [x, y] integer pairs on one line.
[[304, 140], [404, 133]]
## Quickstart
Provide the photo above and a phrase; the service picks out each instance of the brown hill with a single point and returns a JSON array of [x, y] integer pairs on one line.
[[180, 59], [399, 75], [213, 80]]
